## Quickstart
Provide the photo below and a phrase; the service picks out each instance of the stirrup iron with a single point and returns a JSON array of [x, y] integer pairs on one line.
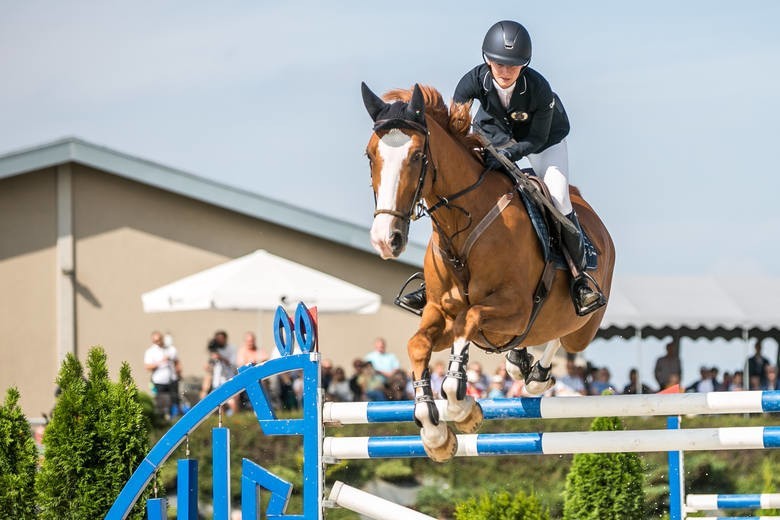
[[400, 303]]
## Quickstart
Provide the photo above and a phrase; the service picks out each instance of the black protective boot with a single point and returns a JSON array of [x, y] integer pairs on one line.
[[586, 296], [413, 301]]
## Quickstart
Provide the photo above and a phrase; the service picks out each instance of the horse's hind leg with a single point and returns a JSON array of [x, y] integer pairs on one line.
[[463, 410], [539, 379], [518, 363]]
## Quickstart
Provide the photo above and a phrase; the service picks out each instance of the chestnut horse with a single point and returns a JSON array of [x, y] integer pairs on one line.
[[420, 151]]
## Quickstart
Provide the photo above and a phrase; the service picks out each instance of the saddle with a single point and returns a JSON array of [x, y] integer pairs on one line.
[[546, 229]]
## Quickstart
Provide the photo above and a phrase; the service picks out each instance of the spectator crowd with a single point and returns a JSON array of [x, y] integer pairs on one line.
[[378, 376]]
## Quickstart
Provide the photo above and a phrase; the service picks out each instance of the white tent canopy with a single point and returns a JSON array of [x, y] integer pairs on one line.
[[693, 302], [261, 281]]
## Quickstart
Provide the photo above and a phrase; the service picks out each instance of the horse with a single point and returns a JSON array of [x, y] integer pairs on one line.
[[481, 285]]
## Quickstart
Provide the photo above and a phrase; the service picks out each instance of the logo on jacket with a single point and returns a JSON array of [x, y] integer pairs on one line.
[[519, 116]]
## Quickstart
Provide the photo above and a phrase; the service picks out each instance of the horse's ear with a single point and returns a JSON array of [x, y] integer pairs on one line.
[[373, 103], [417, 104]]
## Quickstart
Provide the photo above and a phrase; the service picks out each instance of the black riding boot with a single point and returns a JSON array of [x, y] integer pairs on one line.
[[586, 298], [413, 301]]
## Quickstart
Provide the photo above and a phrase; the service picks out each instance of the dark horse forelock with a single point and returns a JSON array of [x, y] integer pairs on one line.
[[456, 121]]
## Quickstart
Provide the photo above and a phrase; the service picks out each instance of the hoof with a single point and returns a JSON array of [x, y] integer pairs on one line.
[[444, 452], [518, 364], [539, 387], [472, 421]]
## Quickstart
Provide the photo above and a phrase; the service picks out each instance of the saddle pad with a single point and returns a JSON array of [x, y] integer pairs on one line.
[[540, 226]]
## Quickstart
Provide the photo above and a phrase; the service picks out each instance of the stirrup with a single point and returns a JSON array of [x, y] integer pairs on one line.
[[587, 279], [399, 298]]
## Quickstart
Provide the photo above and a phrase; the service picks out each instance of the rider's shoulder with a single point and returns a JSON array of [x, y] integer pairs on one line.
[[537, 82], [478, 72], [535, 77]]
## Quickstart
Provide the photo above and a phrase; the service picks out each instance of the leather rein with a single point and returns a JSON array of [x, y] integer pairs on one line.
[[447, 250]]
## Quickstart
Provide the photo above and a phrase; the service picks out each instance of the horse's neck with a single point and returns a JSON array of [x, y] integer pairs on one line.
[[456, 167]]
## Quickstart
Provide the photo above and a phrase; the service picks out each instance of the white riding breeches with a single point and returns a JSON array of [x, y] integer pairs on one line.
[[552, 166]]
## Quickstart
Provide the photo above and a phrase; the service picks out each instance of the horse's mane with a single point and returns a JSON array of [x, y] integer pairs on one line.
[[456, 120]]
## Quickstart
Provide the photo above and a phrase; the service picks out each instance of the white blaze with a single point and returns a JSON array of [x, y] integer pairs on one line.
[[393, 148]]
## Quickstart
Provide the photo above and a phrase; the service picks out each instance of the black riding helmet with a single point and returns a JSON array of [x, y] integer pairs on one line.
[[507, 43]]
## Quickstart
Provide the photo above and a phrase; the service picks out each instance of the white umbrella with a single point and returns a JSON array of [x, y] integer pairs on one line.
[[261, 281]]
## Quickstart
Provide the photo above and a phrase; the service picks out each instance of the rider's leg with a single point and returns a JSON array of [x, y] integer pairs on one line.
[[415, 300], [552, 165]]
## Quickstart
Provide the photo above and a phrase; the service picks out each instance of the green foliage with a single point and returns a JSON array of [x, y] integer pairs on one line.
[[604, 485], [502, 506], [98, 435], [770, 485], [440, 502], [395, 470], [18, 461], [708, 473]]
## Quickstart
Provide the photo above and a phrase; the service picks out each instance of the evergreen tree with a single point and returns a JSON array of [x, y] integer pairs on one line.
[[98, 435], [604, 486], [66, 442], [18, 460]]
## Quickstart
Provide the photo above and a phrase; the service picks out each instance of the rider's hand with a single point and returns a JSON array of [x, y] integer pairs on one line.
[[492, 163]]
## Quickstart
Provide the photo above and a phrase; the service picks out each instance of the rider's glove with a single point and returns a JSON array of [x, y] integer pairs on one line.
[[492, 163]]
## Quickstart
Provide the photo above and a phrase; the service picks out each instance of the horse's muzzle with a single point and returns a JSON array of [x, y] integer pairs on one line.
[[389, 235]]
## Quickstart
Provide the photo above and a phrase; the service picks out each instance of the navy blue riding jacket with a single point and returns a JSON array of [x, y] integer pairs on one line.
[[534, 120]]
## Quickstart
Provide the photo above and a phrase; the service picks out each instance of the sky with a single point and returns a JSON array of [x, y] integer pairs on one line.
[[673, 104]]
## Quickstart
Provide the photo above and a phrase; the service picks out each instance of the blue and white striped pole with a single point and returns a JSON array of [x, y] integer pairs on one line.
[[558, 443], [748, 501], [738, 518], [568, 407]]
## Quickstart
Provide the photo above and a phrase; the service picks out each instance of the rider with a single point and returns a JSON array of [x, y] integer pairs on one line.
[[522, 117]]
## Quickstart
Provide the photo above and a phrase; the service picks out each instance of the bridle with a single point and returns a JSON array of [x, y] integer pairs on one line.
[[418, 209], [411, 214]]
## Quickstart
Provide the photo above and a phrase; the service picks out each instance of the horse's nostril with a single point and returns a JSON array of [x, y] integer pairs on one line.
[[396, 240]]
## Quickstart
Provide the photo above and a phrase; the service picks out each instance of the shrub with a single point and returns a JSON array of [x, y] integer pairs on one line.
[[98, 435], [604, 486], [18, 460], [502, 506]]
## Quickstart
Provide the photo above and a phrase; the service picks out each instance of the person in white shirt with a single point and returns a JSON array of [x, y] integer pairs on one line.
[[163, 362], [220, 367], [383, 361]]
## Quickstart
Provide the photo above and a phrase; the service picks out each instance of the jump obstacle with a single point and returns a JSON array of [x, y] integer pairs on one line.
[[319, 449]]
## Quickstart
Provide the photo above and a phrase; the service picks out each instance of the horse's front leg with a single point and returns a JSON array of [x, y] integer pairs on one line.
[[463, 410], [438, 440]]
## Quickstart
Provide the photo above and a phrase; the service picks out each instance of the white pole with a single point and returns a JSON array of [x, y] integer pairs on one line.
[[371, 505]]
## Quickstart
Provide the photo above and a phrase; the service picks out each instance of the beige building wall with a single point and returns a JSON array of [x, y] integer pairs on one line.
[[131, 238], [28, 236]]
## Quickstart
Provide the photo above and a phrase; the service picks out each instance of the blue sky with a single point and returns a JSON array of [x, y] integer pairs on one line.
[[673, 105]]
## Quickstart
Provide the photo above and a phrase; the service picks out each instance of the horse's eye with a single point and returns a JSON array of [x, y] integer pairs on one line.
[[417, 156]]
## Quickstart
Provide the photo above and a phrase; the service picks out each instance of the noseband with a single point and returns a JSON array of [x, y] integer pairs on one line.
[[389, 124]]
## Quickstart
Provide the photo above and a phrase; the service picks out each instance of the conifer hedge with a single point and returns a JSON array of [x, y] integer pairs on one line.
[[18, 461], [604, 486], [97, 436]]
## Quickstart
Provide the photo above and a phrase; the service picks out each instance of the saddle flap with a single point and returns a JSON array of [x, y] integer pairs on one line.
[[547, 232]]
